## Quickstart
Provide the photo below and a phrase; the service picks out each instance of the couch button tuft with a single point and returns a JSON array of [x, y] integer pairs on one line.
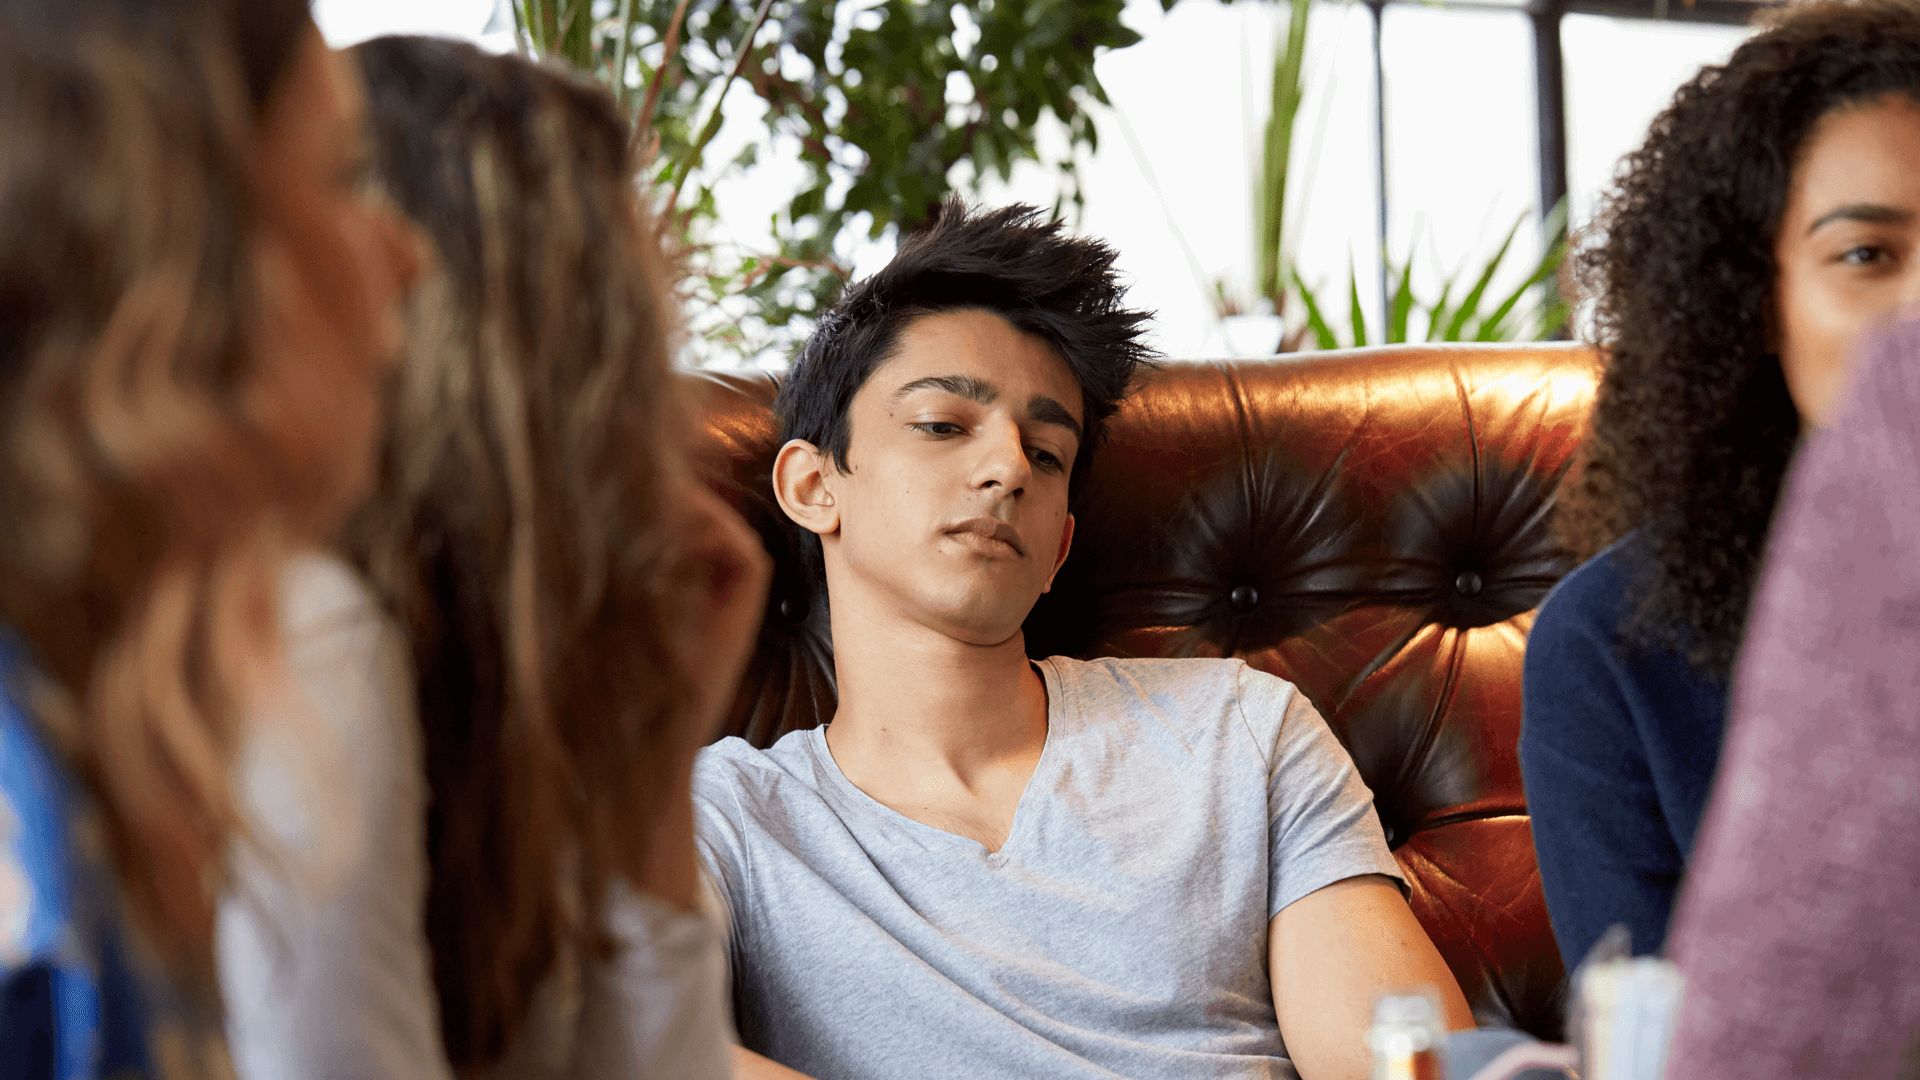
[[1468, 583], [792, 610], [1244, 598]]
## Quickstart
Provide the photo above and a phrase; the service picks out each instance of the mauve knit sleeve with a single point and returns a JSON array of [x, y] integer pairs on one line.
[[1798, 931]]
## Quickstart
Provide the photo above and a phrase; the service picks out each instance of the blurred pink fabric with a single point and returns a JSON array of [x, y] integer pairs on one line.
[[1799, 928]]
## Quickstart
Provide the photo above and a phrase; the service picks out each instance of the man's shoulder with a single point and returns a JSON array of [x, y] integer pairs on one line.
[[733, 768], [1228, 697], [1151, 673], [1195, 682]]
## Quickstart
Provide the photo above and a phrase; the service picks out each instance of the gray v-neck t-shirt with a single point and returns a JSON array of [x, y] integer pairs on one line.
[[1121, 930]]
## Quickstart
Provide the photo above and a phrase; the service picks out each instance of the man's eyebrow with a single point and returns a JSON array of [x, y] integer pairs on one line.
[[965, 386], [1871, 213], [1045, 410]]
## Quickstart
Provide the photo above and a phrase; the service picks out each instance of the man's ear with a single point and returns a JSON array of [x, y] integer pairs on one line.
[[1066, 545], [803, 488]]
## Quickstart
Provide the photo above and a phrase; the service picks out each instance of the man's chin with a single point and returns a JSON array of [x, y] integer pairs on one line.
[[985, 626]]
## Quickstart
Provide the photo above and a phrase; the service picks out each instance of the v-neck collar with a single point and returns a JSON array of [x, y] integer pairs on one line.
[[1023, 811]]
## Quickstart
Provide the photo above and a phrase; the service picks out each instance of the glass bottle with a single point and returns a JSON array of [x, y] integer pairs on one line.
[[1405, 1037]]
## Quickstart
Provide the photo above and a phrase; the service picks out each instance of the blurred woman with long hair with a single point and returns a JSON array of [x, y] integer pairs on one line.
[[578, 610], [197, 302], [1771, 216]]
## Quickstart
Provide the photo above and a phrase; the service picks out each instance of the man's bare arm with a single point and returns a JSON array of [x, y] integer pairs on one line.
[[1332, 953], [748, 1065]]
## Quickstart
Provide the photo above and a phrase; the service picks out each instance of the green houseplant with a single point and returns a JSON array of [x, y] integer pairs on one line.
[[1518, 314], [1530, 310], [885, 103], [893, 104]]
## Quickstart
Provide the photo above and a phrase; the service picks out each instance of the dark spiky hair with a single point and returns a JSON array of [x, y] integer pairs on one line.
[[1012, 262]]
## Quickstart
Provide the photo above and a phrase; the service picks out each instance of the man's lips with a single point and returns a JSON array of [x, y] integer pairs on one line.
[[989, 529]]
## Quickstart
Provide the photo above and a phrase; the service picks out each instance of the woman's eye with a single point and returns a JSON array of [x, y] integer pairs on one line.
[[1863, 255]]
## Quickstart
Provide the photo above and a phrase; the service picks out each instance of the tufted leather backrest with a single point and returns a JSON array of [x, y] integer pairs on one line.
[[1371, 525]]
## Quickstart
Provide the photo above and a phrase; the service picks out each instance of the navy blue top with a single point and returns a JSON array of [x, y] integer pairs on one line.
[[1618, 746]]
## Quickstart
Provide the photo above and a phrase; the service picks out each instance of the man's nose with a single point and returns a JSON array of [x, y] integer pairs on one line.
[[1003, 461]]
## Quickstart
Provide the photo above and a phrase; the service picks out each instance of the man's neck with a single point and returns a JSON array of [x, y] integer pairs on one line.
[[945, 732]]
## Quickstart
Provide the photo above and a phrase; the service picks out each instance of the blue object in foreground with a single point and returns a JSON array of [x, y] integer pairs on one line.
[[71, 1007]]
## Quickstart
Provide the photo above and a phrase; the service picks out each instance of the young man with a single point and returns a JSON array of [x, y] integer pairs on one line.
[[988, 867]]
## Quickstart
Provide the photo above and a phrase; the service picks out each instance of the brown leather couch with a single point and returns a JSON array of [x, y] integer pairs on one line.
[[1371, 525]]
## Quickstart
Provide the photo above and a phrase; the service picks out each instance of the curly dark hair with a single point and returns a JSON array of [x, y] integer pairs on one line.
[[1693, 427]]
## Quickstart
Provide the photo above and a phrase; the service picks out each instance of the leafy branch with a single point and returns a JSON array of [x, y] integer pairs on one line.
[[887, 107]]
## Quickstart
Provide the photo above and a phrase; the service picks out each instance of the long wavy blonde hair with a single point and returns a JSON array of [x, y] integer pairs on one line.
[[518, 523], [140, 516]]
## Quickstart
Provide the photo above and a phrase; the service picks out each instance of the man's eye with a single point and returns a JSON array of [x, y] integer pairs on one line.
[[936, 427], [1046, 460]]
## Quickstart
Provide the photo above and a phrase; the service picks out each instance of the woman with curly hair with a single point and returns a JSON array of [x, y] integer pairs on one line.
[[1771, 215], [575, 609], [197, 305]]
